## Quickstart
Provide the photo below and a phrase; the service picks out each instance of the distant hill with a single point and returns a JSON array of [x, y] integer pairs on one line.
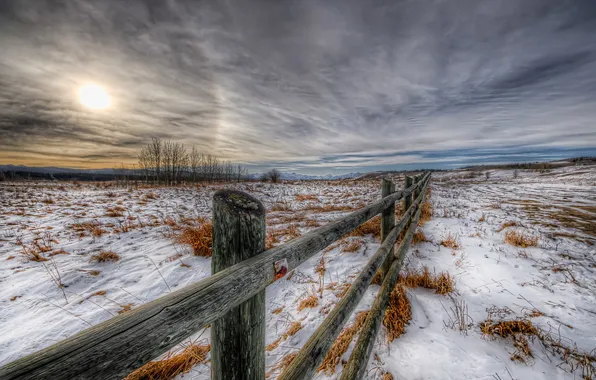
[[51, 169], [296, 176]]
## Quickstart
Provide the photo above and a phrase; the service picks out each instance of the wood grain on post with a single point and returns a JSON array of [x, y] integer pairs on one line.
[[408, 181], [238, 338], [114, 348], [355, 369], [387, 221]]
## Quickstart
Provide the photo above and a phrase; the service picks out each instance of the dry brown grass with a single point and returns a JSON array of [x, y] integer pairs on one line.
[[506, 225], [371, 227], [520, 330], [281, 365], [442, 283], [199, 238], [341, 344], [387, 376], [482, 218], [114, 212], [291, 231], [426, 213], [398, 313], [306, 197], [311, 300], [521, 239], [451, 241], [105, 257], [291, 331], [327, 208], [353, 246], [173, 364], [278, 310], [419, 237], [93, 228], [312, 223], [280, 206], [271, 239]]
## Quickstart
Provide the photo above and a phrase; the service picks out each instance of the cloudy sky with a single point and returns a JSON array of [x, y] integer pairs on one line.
[[309, 86]]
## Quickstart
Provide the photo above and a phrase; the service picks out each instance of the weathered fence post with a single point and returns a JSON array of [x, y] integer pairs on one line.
[[238, 338], [408, 181], [387, 221]]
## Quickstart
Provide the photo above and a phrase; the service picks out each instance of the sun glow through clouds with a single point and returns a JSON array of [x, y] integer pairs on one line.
[[94, 96]]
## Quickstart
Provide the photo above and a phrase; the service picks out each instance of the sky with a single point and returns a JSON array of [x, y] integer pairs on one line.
[[310, 86]]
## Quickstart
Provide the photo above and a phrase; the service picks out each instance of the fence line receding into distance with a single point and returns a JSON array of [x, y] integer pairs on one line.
[[232, 299]]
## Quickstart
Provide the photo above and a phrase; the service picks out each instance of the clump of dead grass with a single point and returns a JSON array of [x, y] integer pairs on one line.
[[506, 225], [341, 344], [173, 364], [419, 237], [520, 330], [451, 241], [281, 365], [105, 257], [199, 238], [310, 301], [521, 239], [291, 331], [398, 313], [306, 197], [353, 246], [442, 283], [371, 227], [426, 213]]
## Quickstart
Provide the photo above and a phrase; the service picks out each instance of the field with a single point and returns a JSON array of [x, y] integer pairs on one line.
[[521, 246]]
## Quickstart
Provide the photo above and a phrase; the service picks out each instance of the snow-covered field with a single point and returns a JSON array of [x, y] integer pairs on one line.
[[555, 281]]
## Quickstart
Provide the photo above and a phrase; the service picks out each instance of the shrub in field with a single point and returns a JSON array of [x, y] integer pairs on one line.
[[200, 238], [521, 239], [451, 241], [105, 257], [441, 282]]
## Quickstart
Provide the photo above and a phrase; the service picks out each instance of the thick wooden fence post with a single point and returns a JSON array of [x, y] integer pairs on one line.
[[387, 221], [408, 181], [238, 338]]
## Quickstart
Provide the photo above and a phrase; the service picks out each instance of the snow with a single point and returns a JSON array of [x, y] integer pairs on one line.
[[558, 206]]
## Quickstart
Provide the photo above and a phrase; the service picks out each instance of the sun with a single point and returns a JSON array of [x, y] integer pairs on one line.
[[94, 97]]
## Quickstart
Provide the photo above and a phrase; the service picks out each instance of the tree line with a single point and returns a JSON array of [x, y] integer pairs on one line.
[[169, 163]]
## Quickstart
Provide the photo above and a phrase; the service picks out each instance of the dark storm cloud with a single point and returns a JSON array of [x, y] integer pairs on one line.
[[312, 85]]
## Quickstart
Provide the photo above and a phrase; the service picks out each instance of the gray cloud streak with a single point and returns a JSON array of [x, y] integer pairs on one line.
[[288, 81]]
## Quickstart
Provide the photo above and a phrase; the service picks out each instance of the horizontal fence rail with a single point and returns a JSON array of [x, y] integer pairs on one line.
[[116, 347]]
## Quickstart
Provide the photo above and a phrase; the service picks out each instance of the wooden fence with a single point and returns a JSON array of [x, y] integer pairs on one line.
[[232, 300]]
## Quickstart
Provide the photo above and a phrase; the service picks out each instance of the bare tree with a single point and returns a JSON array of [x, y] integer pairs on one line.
[[155, 158], [274, 175], [194, 160], [144, 160]]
